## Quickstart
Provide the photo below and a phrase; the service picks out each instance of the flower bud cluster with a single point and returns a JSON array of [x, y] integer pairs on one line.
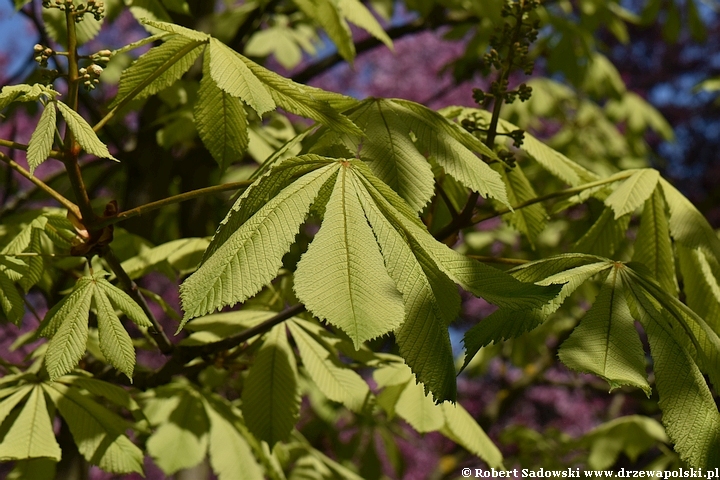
[[96, 8], [42, 54], [90, 75]]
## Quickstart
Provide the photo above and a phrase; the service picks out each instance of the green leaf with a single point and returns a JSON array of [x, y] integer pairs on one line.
[[357, 14], [181, 442], [173, 28], [217, 326], [68, 326], [11, 400], [700, 284], [431, 303], [418, 409], [144, 10], [31, 435], [511, 322], [606, 343], [653, 247], [98, 433], [123, 302], [41, 140], [230, 454], [632, 435], [605, 236], [530, 220], [252, 254], [84, 133], [221, 121], [391, 154], [183, 254], [687, 225], [490, 283], [232, 75], [327, 14], [115, 343], [690, 414], [173, 58], [463, 429], [335, 380], [10, 300], [306, 101], [342, 277], [270, 397], [633, 192], [452, 148]]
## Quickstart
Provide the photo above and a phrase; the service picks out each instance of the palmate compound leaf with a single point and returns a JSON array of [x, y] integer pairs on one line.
[[98, 433], [270, 396], [41, 140], [84, 133], [653, 247], [247, 253], [334, 379], [570, 270], [605, 341], [31, 435], [690, 415], [67, 324], [221, 121], [175, 57], [342, 277]]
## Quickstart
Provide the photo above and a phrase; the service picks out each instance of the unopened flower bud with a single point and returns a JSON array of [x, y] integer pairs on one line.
[[95, 69], [38, 48]]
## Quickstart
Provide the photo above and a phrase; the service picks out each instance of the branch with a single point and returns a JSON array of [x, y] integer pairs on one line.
[[133, 212], [157, 332], [21, 146], [40, 184]]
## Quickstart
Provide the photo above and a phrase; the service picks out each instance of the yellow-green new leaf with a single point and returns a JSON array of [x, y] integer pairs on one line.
[[230, 454], [221, 121], [98, 433], [68, 326], [356, 13], [633, 192], [605, 236], [31, 435], [231, 74], [270, 397], [687, 225], [84, 133], [327, 14], [530, 220], [41, 140], [700, 284], [606, 343], [251, 255], [419, 409], [463, 429], [173, 58], [123, 302], [10, 300], [115, 343], [653, 247], [173, 28], [335, 380], [342, 277]]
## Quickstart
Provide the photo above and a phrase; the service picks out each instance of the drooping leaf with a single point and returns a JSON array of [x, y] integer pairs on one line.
[[632, 435], [356, 13], [98, 433], [653, 247], [342, 277], [700, 284], [326, 13], [418, 409], [84, 133], [306, 101], [230, 73], [605, 341], [530, 220], [605, 236], [461, 428], [10, 300], [68, 325], [221, 121], [115, 343], [431, 303], [687, 225], [31, 435], [336, 381], [173, 58], [41, 140], [230, 454], [690, 414], [251, 256], [181, 441], [633, 192], [270, 397]]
